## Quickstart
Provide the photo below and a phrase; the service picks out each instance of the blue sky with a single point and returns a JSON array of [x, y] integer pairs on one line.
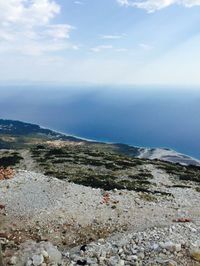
[[100, 41]]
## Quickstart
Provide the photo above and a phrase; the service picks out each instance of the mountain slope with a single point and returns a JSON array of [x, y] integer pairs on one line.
[[64, 191]]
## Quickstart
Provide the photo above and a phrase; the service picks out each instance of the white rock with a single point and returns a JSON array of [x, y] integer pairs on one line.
[[132, 257], [29, 263], [45, 254], [37, 260], [91, 261], [169, 246], [120, 251], [101, 241], [121, 263], [178, 247], [140, 255], [134, 251], [172, 263], [155, 246], [66, 254], [197, 244], [54, 255], [113, 261], [102, 259], [13, 260]]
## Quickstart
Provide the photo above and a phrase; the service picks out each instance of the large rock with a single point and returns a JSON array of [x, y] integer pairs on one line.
[[32, 253], [54, 254], [170, 246]]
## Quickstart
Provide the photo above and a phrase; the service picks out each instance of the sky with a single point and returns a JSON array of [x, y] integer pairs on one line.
[[138, 42]]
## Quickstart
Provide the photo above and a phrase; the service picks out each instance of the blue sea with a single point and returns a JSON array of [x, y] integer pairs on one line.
[[142, 116]]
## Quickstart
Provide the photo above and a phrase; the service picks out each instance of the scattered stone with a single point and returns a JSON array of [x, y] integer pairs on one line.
[[37, 260], [13, 260], [172, 263], [121, 263], [29, 263], [45, 254], [53, 253], [160, 244], [178, 247]]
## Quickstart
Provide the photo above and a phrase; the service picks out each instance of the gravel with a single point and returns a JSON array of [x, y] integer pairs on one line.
[[129, 229], [173, 245], [35, 197]]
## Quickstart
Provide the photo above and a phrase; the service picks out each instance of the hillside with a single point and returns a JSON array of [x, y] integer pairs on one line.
[[68, 201]]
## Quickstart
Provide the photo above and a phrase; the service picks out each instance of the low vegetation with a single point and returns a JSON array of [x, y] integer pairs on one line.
[[91, 165], [10, 159], [98, 165], [101, 166], [182, 173]]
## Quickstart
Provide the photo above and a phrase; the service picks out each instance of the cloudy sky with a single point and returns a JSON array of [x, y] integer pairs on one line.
[[100, 41]]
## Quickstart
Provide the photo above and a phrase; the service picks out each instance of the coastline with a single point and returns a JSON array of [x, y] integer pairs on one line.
[[145, 149], [146, 152]]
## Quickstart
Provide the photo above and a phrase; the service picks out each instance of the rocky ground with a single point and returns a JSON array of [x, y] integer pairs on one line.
[[46, 221], [66, 201]]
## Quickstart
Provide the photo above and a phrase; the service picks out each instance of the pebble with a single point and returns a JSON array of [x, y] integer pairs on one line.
[[160, 245], [45, 254], [178, 247], [134, 251], [121, 263], [29, 263], [172, 263], [164, 244], [13, 260], [37, 260], [120, 251]]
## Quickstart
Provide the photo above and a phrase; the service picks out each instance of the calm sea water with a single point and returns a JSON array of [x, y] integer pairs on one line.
[[152, 117]]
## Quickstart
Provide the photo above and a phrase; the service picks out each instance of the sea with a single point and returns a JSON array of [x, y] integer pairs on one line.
[[146, 116]]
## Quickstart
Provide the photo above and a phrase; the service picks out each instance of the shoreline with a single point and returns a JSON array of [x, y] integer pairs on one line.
[[162, 153], [146, 148]]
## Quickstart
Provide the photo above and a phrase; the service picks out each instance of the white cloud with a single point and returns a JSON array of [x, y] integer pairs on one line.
[[154, 5], [59, 31], [26, 26], [78, 3], [121, 50], [146, 46], [111, 37], [100, 48], [36, 12]]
